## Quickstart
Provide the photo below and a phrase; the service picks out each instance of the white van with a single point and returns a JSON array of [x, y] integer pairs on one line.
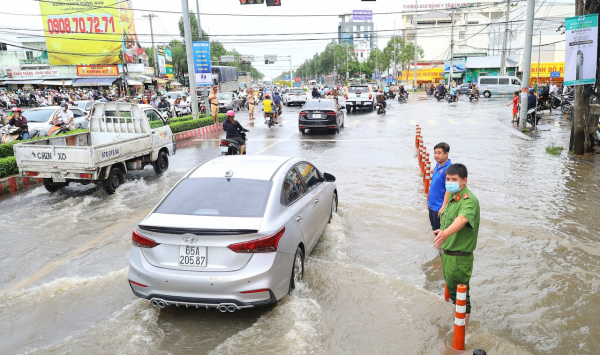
[[501, 85]]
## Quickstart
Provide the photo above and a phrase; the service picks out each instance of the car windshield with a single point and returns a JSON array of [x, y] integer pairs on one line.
[[217, 197], [297, 91], [359, 88], [81, 104], [38, 115], [225, 96], [319, 105]]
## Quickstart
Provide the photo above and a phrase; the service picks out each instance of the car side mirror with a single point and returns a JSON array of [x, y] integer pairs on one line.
[[329, 177], [342, 107]]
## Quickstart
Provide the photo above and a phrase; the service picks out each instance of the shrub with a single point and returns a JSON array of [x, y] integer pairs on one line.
[[190, 124], [8, 166]]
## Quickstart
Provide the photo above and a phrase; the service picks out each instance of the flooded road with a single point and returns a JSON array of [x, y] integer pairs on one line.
[[373, 283]]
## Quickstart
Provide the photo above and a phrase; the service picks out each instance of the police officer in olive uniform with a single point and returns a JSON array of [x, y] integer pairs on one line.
[[457, 236]]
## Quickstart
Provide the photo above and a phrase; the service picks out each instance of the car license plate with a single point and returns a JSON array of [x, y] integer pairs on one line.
[[316, 115], [224, 149], [58, 177], [192, 256]]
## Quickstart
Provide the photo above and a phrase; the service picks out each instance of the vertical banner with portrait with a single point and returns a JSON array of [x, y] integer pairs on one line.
[[581, 55]]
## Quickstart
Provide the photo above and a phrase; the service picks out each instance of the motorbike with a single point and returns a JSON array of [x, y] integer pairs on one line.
[[389, 95], [231, 147], [270, 122], [430, 93], [12, 133], [58, 129], [402, 97], [472, 95], [555, 100], [451, 99], [566, 103], [184, 110], [439, 96], [380, 108], [533, 116], [165, 113]]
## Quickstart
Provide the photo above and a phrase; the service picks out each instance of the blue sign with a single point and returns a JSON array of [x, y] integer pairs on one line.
[[555, 74], [287, 77], [297, 85], [202, 68], [362, 15]]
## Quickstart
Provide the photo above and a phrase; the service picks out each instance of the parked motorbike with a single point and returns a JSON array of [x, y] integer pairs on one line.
[[231, 147], [12, 133], [380, 108], [566, 103], [555, 100], [472, 95], [533, 116]]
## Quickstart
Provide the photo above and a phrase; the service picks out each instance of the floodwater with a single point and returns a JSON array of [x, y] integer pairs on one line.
[[372, 285]]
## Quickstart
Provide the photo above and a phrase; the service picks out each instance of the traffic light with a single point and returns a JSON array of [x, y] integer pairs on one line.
[[266, 61], [273, 2], [251, 2]]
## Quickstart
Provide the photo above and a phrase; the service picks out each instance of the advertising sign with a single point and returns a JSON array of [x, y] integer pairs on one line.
[[555, 74], [168, 56], [77, 33], [160, 50], [97, 70], [202, 68], [162, 65], [362, 15], [17, 73], [581, 55], [149, 70], [459, 65]]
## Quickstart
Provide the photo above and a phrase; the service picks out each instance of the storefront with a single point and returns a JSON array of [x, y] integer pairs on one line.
[[489, 66], [548, 72], [424, 76]]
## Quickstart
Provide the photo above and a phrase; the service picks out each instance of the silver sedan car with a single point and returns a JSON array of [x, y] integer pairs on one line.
[[232, 234]]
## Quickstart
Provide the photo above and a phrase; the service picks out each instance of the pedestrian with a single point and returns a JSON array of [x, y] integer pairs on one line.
[[515, 103], [535, 88], [251, 104], [457, 236], [213, 98], [438, 195]]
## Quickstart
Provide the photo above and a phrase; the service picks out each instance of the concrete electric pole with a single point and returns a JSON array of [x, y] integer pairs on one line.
[[204, 92], [190, 56], [451, 49], [505, 39], [526, 63], [154, 57], [416, 59]]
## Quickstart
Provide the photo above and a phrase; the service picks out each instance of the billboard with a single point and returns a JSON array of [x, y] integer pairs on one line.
[[362, 15], [79, 34], [202, 67], [581, 55], [97, 70]]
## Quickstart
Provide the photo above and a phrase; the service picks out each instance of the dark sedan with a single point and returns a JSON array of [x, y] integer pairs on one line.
[[321, 114], [463, 89]]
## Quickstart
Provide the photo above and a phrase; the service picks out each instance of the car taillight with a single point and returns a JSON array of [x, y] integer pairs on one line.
[[302, 113], [346, 97], [137, 283], [31, 173], [224, 143], [331, 114], [140, 241], [85, 176], [370, 96], [263, 245]]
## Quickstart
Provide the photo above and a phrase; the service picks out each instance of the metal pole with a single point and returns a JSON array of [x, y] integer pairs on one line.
[[154, 56], [204, 93], [526, 63], [395, 66], [505, 39], [539, 54], [451, 49], [415, 84], [190, 56]]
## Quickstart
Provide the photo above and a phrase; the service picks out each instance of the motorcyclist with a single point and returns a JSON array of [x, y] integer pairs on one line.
[[544, 96], [402, 91], [475, 90], [315, 93], [381, 99], [233, 129], [276, 105], [184, 105], [268, 108], [453, 93], [18, 120], [531, 100], [164, 103], [328, 95], [153, 102], [64, 117]]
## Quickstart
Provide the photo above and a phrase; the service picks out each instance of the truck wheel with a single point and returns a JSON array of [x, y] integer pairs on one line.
[[51, 187], [487, 94], [115, 179], [162, 163]]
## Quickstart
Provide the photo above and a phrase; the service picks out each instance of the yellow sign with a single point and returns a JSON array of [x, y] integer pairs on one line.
[[97, 70], [422, 74], [77, 33], [546, 69]]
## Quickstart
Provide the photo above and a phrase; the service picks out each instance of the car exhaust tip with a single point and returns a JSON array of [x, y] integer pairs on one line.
[[158, 303], [231, 309], [154, 303], [162, 304], [222, 309]]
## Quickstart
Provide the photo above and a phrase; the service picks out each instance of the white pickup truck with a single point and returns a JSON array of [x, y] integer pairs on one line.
[[122, 137], [359, 96]]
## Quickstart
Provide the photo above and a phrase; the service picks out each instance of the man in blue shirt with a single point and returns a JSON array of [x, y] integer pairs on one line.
[[276, 106], [438, 196]]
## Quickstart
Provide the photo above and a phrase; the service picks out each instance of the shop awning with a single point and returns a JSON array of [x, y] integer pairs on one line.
[[150, 79], [174, 83], [59, 82], [23, 82], [94, 81], [134, 83]]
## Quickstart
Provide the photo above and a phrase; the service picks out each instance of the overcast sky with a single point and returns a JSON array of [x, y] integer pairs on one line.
[[223, 27]]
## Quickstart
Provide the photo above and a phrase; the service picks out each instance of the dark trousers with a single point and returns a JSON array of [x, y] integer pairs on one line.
[[434, 219]]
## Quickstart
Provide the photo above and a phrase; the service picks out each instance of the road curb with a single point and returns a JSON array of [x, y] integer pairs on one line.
[[198, 132], [14, 183]]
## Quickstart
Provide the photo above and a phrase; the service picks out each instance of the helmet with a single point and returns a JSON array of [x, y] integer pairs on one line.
[[267, 96], [230, 113], [64, 104], [153, 97], [531, 91], [328, 92], [380, 90], [162, 98], [16, 109]]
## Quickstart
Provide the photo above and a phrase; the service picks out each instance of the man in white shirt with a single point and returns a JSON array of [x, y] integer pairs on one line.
[[64, 117], [553, 88], [184, 105]]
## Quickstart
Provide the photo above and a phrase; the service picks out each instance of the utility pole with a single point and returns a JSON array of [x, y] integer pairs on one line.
[[204, 93], [539, 55], [154, 57], [451, 49], [395, 66], [415, 84], [526, 63], [187, 29], [579, 139], [505, 39]]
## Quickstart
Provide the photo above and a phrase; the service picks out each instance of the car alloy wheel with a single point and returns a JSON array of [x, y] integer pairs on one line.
[[334, 203], [297, 269]]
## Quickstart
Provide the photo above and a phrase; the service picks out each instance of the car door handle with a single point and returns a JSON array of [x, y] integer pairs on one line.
[[317, 201], [298, 218]]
